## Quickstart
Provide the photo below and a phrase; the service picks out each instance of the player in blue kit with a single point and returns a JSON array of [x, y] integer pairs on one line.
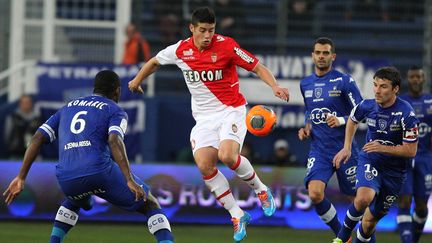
[[329, 96], [419, 177], [391, 140], [89, 129]]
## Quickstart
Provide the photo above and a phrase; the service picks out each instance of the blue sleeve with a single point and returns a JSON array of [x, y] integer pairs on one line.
[[352, 93], [50, 128], [358, 113], [118, 122], [410, 127]]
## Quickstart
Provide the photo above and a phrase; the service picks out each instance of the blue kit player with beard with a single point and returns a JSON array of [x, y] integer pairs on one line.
[[329, 96]]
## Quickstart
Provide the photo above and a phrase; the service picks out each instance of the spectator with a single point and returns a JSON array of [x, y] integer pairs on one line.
[[300, 16], [230, 17], [367, 9], [136, 48], [282, 155], [20, 127], [169, 18]]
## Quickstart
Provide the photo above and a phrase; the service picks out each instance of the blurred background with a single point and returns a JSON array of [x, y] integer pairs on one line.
[[50, 51]]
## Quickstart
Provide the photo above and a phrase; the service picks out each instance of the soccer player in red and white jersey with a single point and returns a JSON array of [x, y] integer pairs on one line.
[[208, 62]]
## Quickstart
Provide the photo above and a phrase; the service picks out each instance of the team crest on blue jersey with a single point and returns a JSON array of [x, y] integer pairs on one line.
[[382, 124], [318, 92]]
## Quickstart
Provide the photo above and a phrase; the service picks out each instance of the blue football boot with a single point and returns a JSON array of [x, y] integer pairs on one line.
[[267, 202], [240, 227]]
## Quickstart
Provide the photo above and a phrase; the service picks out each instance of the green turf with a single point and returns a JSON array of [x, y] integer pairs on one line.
[[34, 232]]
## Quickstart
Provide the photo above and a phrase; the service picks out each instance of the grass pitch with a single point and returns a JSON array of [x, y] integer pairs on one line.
[[39, 231]]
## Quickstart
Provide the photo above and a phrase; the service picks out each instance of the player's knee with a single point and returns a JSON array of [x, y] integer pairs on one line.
[[361, 203], [158, 222], [206, 169], [316, 195], [227, 157]]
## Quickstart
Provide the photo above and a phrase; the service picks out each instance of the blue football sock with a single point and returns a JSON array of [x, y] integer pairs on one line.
[[60, 229], [163, 235], [419, 221], [362, 237], [352, 217], [404, 221], [328, 214]]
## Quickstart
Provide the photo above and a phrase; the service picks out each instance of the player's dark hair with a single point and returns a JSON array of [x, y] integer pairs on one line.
[[106, 83], [323, 41], [203, 15], [389, 73]]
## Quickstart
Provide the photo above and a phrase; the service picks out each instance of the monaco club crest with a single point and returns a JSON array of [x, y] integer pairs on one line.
[[214, 57]]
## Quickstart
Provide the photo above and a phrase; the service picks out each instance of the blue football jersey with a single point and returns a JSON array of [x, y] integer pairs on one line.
[[82, 128], [390, 126], [423, 109], [335, 93]]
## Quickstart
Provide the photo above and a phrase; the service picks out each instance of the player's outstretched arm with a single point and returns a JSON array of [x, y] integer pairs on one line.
[[149, 67], [408, 150], [265, 75], [17, 184], [118, 151]]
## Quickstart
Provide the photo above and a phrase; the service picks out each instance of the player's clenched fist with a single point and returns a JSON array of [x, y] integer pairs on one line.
[[135, 86], [304, 132]]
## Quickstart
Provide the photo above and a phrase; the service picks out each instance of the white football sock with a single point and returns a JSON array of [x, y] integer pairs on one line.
[[218, 184], [246, 172]]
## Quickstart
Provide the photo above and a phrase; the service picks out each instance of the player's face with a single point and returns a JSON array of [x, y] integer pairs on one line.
[[202, 34], [323, 57], [385, 93], [415, 81]]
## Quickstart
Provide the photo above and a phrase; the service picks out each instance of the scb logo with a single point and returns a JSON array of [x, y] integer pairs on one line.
[[318, 115], [155, 222], [67, 215]]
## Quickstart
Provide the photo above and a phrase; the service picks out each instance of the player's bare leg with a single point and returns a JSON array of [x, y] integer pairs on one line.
[[323, 207], [206, 159], [229, 155]]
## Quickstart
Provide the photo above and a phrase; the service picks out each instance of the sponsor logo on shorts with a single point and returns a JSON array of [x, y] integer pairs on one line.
[[351, 170]]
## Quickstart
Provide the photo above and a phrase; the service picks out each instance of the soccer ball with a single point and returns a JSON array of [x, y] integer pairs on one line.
[[261, 120]]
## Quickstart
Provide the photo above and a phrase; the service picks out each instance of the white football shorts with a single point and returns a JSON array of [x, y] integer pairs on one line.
[[227, 124]]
